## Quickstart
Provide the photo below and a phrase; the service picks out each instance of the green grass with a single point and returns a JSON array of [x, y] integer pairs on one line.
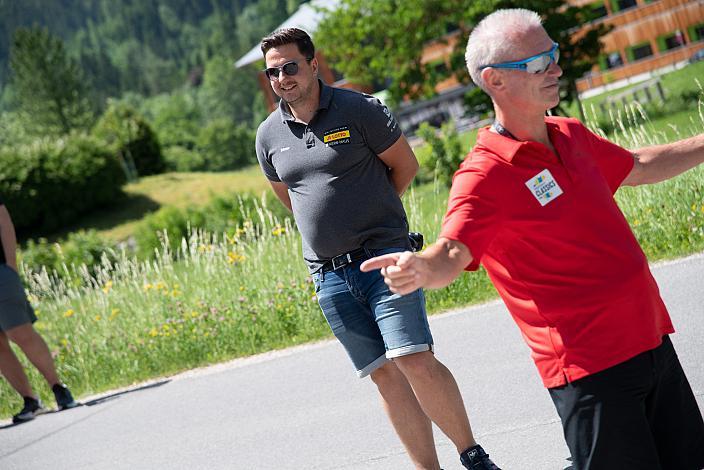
[[170, 189], [221, 298]]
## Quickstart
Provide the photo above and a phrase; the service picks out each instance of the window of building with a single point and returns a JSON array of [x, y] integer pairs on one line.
[[599, 10], [641, 52], [624, 4], [613, 59], [610, 60], [674, 41], [698, 32]]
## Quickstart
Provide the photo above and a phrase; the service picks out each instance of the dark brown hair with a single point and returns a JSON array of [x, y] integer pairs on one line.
[[284, 36]]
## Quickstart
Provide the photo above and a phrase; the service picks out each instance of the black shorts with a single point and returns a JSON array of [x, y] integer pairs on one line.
[[14, 306], [640, 415]]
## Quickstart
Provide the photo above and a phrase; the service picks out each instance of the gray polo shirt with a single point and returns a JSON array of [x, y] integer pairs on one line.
[[341, 192]]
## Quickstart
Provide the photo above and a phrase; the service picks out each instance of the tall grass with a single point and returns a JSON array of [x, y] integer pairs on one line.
[[221, 297]]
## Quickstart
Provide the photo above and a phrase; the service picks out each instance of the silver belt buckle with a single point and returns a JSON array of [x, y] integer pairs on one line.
[[344, 261]]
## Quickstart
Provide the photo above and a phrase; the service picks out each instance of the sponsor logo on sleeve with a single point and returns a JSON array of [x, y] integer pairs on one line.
[[337, 136], [544, 187]]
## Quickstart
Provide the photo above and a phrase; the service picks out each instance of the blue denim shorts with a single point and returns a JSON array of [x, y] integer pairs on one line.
[[373, 324]]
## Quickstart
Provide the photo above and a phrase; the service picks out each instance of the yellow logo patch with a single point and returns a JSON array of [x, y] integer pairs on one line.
[[340, 135], [336, 136]]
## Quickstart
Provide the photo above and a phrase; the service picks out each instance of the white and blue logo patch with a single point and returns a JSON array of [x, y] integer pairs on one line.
[[544, 187]]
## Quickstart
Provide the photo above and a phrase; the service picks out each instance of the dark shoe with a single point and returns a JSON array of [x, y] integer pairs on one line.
[[64, 399], [32, 407], [475, 458]]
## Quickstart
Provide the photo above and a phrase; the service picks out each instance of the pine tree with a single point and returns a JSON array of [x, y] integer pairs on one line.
[[49, 85]]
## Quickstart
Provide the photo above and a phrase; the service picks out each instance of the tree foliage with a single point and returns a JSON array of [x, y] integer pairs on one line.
[[373, 41], [131, 139], [146, 47], [49, 85]]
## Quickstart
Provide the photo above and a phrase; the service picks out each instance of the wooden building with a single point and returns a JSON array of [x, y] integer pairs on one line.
[[647, 35]]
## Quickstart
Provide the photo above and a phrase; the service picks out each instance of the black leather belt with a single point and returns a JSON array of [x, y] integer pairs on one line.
[[344, 259]]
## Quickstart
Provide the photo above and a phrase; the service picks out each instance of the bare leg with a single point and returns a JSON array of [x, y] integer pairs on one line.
[[36, 350], [438, 395], [411, 424], [12, 369]]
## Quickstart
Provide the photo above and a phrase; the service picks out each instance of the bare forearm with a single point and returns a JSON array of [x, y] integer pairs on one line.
[[401, 178], [281, 192], [9, 240], [661, 162], [444, 261], [402, 164]]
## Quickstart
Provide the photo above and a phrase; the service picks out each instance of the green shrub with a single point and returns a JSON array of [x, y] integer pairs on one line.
[[80, 248], [130, 137], [178, 158], [445, 153], [50, 183], [176, 117], [222, 215], [225, 146], [149, 235]]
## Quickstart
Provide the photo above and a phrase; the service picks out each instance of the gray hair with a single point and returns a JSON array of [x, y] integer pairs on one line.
[[489, 42]]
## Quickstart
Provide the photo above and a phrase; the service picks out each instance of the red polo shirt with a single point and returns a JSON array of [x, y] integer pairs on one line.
[[558, 249]]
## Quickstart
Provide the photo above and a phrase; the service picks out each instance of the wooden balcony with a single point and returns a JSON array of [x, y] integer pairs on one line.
[[657, 61]]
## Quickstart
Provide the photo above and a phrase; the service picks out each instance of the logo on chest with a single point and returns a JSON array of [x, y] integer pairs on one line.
[[337, 136], [544, 187]]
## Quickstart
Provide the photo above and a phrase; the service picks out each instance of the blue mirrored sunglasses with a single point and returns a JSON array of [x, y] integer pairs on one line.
[[539, 63]]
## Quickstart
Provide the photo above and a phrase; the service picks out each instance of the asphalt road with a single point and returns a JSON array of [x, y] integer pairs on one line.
[[304, 408]]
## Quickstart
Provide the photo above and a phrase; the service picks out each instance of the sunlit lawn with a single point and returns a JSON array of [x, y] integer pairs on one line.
[[170, 189]]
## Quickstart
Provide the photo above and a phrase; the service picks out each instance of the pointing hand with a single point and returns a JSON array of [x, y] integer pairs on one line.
[[403, 272]]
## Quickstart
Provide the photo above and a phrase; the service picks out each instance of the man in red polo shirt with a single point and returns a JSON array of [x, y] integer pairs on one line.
[[533, 203]]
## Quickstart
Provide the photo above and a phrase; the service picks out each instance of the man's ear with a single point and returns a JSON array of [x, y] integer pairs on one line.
[[493, 79], [314, 65]]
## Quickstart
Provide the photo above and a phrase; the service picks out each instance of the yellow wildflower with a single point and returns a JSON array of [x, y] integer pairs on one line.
[[107, 287], [233, 257], [69, 313]]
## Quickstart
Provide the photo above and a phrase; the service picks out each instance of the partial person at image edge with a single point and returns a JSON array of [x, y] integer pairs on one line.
[[16, 319]]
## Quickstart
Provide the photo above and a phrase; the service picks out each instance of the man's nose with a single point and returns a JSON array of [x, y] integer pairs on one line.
[[555, 69]]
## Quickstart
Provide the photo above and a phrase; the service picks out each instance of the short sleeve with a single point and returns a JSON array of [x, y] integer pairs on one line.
[[379, 127], [614, 162], [264, 157], [473, 216]]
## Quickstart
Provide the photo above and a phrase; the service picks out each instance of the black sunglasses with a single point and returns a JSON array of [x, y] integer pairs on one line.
[[289, 68]]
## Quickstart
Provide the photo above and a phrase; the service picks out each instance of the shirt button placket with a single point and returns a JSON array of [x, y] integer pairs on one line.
[[310, 138]]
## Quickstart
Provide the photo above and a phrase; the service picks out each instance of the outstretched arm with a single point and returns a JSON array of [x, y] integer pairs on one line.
[[661, 162], [435, 267]]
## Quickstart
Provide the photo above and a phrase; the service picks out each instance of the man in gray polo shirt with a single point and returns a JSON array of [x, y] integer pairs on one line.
[[339, 161]]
